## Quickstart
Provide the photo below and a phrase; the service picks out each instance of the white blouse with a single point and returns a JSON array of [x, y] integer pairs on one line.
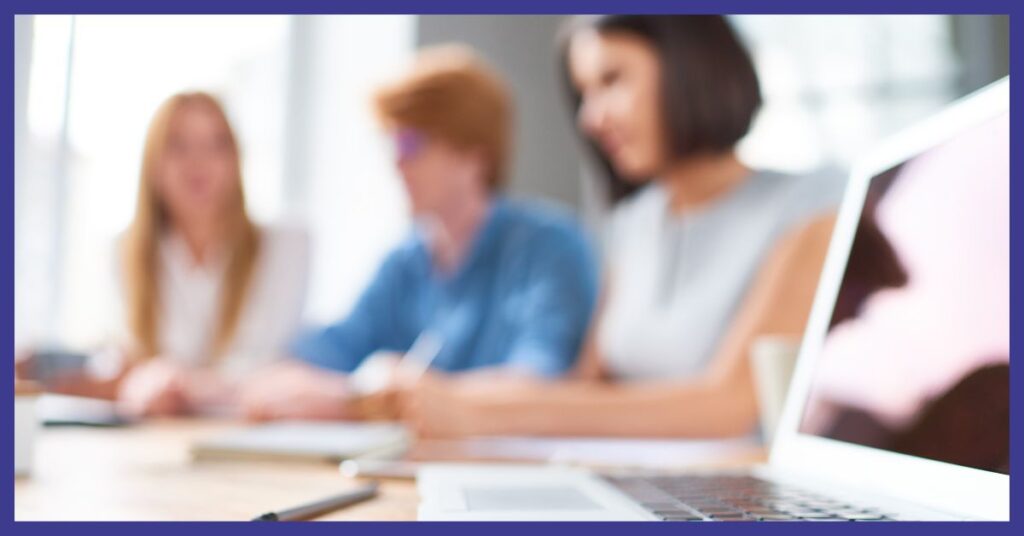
[[676, 281], [190, 301]]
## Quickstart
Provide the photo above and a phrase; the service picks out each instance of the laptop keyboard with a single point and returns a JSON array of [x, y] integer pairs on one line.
[[736, 498]]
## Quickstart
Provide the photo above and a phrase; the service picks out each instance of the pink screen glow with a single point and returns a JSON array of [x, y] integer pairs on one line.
[[947, 217]]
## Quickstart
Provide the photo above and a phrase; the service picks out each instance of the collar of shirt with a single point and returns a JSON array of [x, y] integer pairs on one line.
[[482, 242], [176, 253]]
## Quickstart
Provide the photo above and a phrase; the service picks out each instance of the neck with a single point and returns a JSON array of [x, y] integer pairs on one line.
[[201, 237], [699, 180], [457, 226]]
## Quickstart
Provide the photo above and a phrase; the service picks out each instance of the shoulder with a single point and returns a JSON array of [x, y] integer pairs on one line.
[[803, 194], [546, 236], [639, 205], [813, 234], [784, 203], [408, 258], [284, 251], [639, 210], [632, 217], [544, 221], [807, 204]]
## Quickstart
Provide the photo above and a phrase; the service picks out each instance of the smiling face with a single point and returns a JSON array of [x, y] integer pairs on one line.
[[618, 78], [197, 174]]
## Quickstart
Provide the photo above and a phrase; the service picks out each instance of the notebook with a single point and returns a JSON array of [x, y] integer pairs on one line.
[[301, 440]]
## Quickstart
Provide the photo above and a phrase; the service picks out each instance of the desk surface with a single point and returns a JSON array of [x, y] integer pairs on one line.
[[146, 473]]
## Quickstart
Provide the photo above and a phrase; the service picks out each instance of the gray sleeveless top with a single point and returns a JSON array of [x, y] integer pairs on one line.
[[677, 280]]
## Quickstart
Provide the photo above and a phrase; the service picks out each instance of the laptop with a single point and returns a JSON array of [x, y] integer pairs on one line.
[[899, 405]]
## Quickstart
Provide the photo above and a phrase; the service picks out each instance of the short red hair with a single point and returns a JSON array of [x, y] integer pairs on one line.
[[452, 94]]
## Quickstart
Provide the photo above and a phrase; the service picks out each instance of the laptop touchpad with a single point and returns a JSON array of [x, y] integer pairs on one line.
[[527, 498]]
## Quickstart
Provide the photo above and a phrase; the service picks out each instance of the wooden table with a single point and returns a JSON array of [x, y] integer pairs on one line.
[[145, 472]]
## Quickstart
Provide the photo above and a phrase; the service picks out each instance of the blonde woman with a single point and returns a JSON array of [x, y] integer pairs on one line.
[[208, 294]]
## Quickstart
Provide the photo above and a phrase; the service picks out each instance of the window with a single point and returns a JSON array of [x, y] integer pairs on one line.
[[836, 84], [292, 87]]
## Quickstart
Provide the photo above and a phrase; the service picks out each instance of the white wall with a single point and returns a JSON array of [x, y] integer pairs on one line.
[[340, 178]]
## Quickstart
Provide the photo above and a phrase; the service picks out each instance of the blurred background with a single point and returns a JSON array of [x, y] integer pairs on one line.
[[296, 90]]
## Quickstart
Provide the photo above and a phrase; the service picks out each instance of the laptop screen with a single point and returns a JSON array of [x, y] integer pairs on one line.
[[916, 359]]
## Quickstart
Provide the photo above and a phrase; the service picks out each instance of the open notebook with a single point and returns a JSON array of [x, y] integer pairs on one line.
[[314, 441]]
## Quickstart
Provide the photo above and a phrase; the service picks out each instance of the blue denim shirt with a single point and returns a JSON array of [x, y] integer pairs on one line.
[[522, 298]]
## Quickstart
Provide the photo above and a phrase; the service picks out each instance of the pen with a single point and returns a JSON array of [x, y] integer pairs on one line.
[[322, 506], [421, 354]]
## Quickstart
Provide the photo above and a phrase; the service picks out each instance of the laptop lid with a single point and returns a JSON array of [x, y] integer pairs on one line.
[[902, 385]]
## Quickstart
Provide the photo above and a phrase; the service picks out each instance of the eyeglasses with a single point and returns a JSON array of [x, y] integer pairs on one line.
[[408, 142]]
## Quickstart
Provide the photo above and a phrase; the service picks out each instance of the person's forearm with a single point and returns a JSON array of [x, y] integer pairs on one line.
[[670, 409], [86, 386]]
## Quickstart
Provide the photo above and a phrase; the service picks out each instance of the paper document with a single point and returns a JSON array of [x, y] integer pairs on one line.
[[326, 441]]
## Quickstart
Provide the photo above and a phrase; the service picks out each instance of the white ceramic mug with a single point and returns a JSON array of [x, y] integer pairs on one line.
[[772, 360]]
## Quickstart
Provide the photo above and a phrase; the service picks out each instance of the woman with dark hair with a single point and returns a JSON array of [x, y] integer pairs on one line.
[[702, 254]]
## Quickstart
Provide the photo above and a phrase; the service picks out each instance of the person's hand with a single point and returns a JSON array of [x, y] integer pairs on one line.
[[380, 384], [466, 404], [153, 388], [208, 392], [294, 390], [439, 406]]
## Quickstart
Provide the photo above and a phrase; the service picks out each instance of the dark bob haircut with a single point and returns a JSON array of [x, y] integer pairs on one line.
[[710, 90]]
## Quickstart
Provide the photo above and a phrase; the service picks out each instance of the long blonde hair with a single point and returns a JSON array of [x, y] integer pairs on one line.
[[140, 246]]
